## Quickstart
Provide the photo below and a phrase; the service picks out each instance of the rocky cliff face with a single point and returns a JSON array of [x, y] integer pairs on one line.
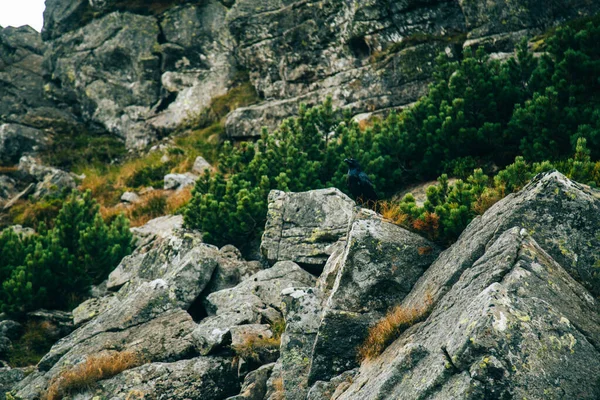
[[139, 69], [512, 309]]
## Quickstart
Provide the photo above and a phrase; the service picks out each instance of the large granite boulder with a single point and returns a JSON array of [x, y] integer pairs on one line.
[[514, 312], [112, 69], [303, 227], [380, 265]]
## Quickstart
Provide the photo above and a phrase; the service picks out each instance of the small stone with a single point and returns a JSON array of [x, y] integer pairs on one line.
[[179, 181], [130, 197], [201, 165]]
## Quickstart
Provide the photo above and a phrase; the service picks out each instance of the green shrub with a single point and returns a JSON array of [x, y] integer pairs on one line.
[[450, 208], [478, 112], [55, 267]]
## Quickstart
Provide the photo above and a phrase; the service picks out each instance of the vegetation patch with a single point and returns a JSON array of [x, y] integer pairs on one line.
[[388, 329], [55, 267], [36, 341], [84, 376]]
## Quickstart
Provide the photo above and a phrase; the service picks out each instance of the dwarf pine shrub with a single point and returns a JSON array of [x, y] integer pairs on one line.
[[54, 268]]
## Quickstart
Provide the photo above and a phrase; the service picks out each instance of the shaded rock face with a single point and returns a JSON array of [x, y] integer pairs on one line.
[[21, 76], [160, 63]]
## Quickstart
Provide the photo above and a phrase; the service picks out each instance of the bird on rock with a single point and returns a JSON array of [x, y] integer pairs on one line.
[[359, 184]]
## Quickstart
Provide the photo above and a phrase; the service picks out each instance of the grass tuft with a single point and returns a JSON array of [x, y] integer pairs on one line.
[[85, 375], [389, 328]]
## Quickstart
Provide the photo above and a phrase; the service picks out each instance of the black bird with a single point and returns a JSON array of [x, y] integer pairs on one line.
[[359, 183]]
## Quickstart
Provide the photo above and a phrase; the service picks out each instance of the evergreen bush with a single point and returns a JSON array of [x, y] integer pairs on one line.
[[54, 268]]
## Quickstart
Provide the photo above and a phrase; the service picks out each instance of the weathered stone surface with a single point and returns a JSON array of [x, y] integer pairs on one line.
[[112, 69], [155, 287], [161, 227], [91, 308], [7, 187], [179, 181], [513, 313], [303, 227], [253, 301], [507, 306], [380, 265], [21, 75], [255, 384], [17, 140], [322, 390], [209, 378], [303, 317], [49, 180]]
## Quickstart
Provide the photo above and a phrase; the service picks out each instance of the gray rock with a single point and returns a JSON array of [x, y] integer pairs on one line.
[[303, 317], [49, 180], [17, 140], [322, 390], [21, 195], [7, 187], [111, 68], [255, 384], [252, 301], [513, 313], [303, 227], [91, 308], [130, 197], [150, 310], [380, 265], [207, 378], [179, 181], [21, 74], [201, 165], [161, 227]]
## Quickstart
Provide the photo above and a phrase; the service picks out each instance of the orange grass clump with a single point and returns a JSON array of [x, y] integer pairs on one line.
[[392, 212], [85, 375], [389, 328]]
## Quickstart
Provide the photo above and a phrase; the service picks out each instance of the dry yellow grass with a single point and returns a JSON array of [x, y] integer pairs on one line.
[[384, 332], [392, 212], [85, 375], [178, 199]]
